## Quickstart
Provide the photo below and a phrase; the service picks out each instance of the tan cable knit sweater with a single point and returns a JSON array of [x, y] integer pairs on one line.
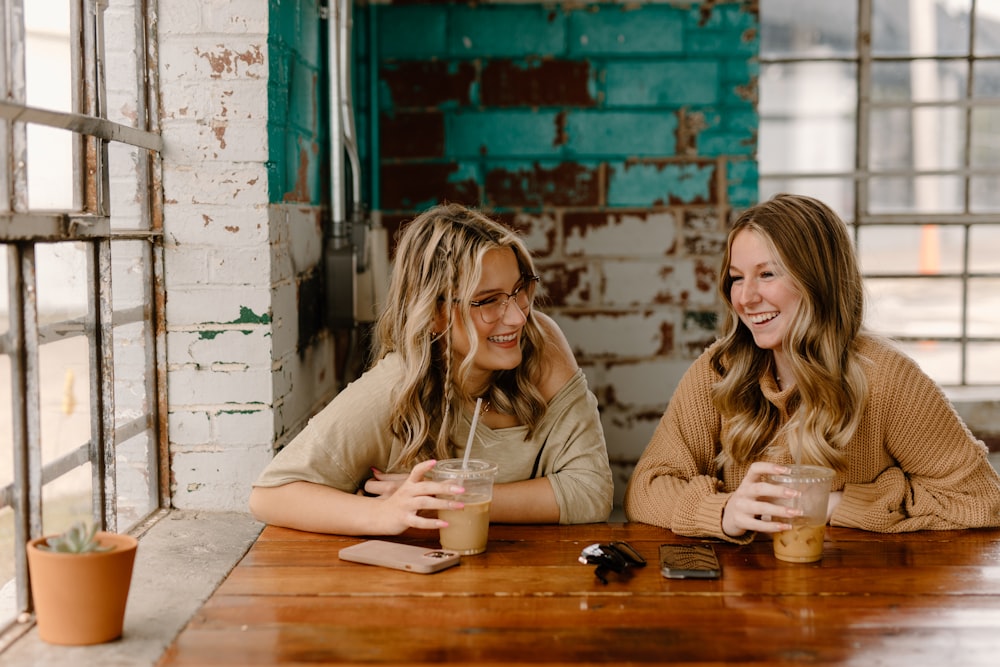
[[913, 464]]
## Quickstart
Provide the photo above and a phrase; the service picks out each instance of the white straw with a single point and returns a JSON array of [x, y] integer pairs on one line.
[[472, 434]]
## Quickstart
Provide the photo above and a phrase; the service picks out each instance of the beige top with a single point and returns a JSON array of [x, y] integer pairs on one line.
[[912, 465], [340, 445]]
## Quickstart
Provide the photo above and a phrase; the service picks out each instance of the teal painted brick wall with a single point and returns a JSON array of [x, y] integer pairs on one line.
[[617, 30], [297, 107], [486, 85]]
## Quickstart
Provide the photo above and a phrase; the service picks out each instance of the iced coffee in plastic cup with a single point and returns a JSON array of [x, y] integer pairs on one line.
[[804, 542], [468, 527]]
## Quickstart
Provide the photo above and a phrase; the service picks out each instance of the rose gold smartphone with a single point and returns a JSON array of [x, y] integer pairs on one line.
[[400, 556]]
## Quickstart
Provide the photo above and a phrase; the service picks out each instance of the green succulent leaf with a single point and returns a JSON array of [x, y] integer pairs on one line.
[[79, 539]]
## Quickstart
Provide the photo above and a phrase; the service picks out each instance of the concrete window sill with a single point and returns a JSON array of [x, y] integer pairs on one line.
[[182, 559]]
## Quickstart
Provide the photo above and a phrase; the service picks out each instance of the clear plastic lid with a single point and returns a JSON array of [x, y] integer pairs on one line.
[[803, 474], [476, 469]]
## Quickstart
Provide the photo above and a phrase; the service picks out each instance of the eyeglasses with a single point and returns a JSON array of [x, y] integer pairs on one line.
[[615, 556], [493, 308]]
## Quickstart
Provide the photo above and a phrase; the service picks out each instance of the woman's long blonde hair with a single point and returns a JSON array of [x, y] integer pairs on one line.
[[438, 265], [813, 248]]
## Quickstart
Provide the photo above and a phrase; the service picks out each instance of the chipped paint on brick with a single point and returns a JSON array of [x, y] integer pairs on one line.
[[414, 186], [621, 233], [650, 182], [539, 232], [563, 184], [567, 284], [689, 126], [666, 339], [219, 130], [706, 276], [247, 316], [300, 193], [704, 243], [227, 61], [705, 12], [560, 135], [748, 91], [424, 84]]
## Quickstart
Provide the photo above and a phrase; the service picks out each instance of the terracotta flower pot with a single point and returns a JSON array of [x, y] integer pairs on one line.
[[80, 598]]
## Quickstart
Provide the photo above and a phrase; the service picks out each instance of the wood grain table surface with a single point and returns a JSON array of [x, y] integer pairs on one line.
[[928, 598]]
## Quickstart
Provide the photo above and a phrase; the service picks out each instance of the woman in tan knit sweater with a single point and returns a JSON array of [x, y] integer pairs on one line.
[[795, 378]]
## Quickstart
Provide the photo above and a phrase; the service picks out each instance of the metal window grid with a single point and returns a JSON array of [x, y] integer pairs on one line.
[[863, 173], [91, 225]]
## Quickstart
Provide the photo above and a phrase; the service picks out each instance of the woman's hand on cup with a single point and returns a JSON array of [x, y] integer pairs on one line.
[[750, 507], [407, 497]]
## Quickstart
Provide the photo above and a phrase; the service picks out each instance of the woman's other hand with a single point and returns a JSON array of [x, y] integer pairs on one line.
[[749, 507]]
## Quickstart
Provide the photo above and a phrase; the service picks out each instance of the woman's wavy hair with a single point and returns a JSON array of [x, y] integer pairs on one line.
[[438, 265], [813, 249]]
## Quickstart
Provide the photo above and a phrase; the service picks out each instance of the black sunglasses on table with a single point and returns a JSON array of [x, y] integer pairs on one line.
[[616, 556]]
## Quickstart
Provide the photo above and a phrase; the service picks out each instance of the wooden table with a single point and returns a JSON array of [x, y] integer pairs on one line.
[[930, 598]]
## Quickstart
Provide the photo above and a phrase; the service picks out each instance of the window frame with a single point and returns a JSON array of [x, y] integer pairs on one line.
[[91, 225], [863, 174]]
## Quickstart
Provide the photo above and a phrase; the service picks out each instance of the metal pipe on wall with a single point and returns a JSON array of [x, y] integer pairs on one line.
[[338, 255], [356, 252]]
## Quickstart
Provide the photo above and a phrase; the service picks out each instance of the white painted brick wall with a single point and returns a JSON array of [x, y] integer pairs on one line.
[[629, 335], [237, 383], [625, 235], [217, 250]]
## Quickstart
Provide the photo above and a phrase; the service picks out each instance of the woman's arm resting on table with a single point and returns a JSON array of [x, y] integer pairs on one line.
[[323, 509], [528, 501]]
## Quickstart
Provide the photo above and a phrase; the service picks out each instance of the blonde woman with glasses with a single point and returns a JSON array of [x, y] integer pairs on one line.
[[459, 326]]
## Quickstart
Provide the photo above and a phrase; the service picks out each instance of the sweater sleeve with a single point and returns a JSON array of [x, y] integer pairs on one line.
[[674, 484], [936, 474]]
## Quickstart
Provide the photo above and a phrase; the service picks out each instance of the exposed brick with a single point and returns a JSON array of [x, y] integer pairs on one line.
[[536, 83], [706, 275], [415, 186], [412, 135], [563, 184], [540, 232], [704, 243], [569, 284], [428, 83]]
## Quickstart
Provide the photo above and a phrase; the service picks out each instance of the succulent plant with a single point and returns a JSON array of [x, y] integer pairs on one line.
[[79, 539]]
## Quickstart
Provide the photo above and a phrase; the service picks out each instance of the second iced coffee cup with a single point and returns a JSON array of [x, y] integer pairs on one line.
[[804, 542], [468, 527]]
